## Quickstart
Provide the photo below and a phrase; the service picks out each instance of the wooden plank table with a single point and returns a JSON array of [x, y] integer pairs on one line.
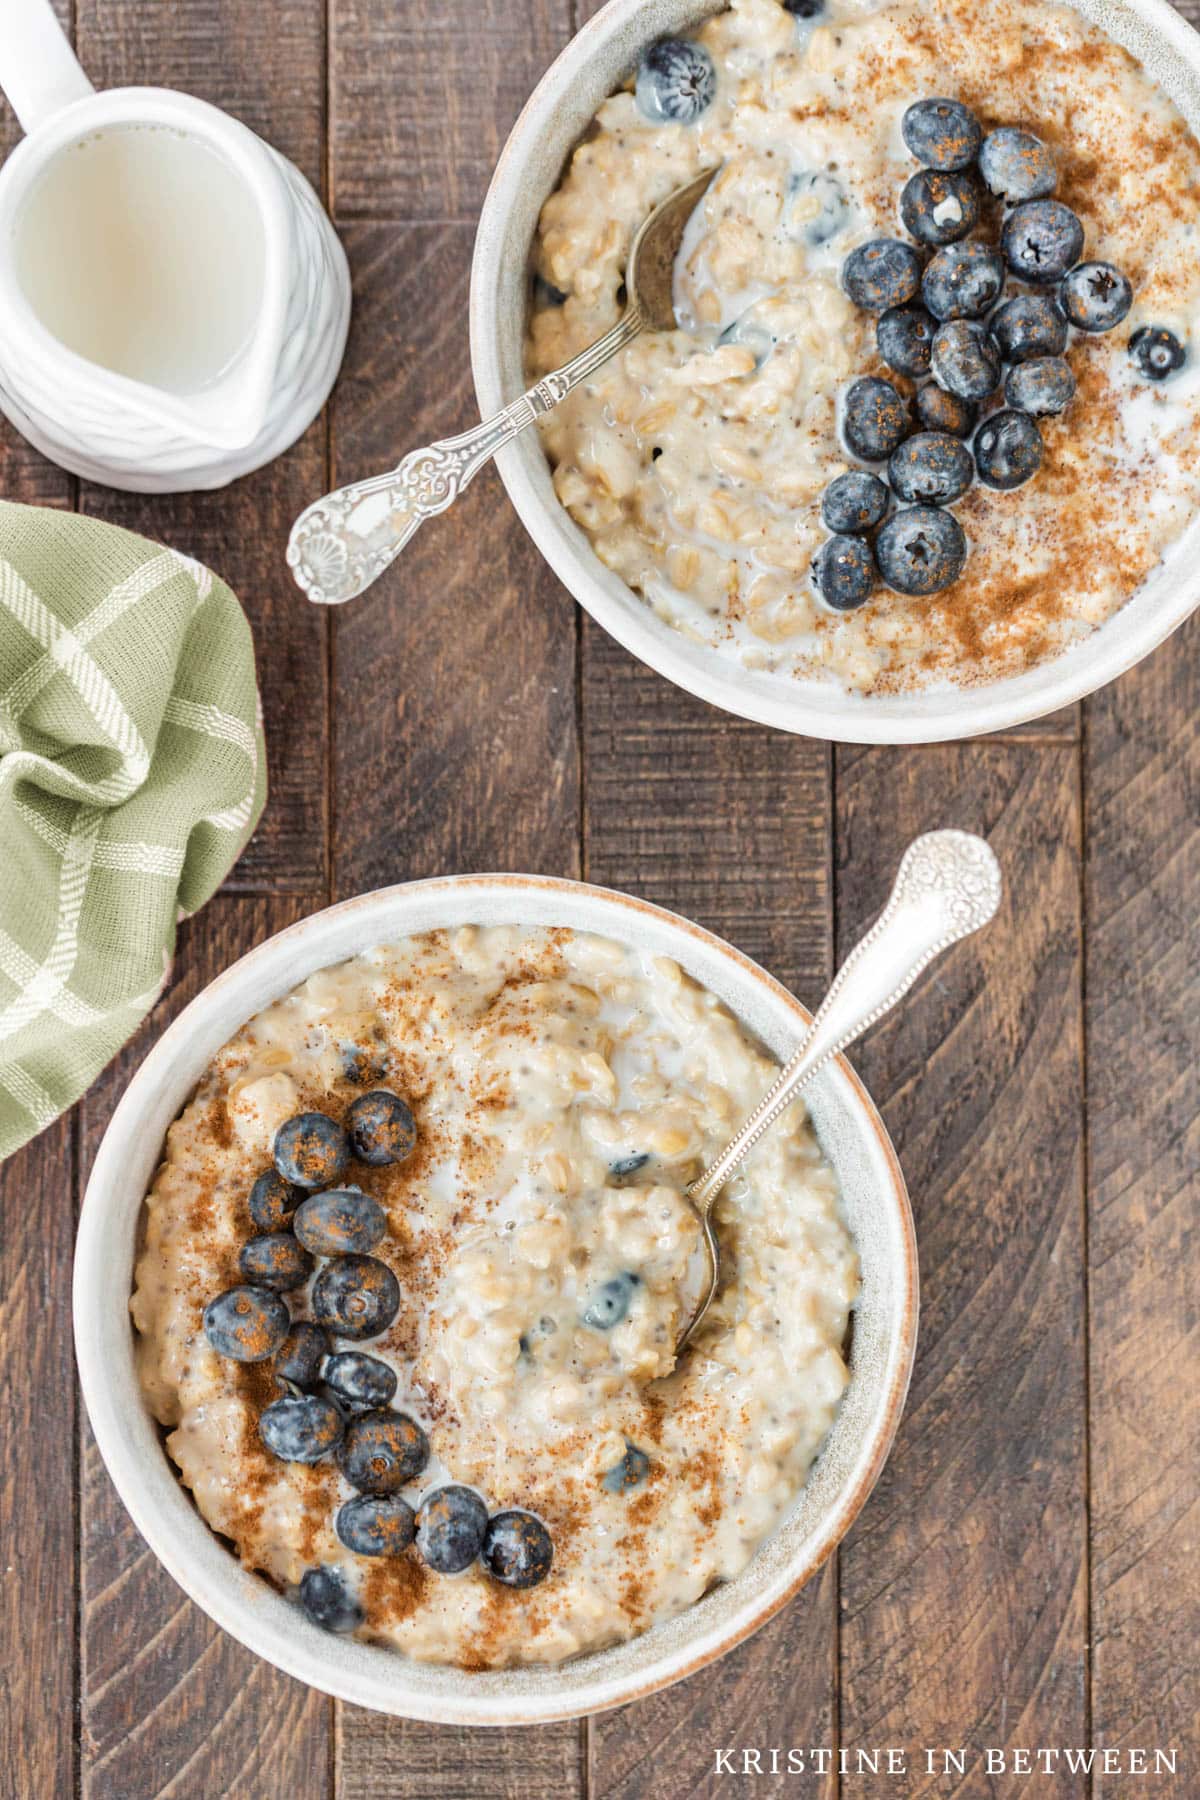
[[1026, 1572]]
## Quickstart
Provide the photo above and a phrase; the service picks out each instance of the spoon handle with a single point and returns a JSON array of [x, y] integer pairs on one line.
[[342, 542], [947, 886]]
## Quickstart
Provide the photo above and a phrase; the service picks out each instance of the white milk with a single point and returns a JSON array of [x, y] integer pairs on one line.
[[141, 250]]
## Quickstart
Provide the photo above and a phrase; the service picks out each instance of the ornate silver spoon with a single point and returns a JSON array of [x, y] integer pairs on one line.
[[948, 885], [341, 543]]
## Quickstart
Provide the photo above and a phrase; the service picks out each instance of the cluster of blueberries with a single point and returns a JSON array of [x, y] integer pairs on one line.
[[947, 319], [943, 320], [339, 1401]]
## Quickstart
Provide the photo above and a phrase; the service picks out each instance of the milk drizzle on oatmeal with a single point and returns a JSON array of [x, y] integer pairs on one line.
[[695, 461], [537, 1063]]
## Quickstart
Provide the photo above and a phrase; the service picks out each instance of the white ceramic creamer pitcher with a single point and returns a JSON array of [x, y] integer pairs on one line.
[[223, 342]]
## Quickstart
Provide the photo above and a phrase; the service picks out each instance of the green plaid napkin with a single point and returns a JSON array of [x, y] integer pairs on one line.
[[132, 771]]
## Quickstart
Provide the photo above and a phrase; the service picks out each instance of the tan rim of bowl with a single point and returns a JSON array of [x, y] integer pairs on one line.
[[246, 1606], [563, 104]]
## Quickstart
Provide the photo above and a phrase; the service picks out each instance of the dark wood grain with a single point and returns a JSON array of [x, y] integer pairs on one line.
[[267, 68], [1142, 774], [38, 1489], [964, 1584], [697, 810], [171, 1706], [380, 1758], [422, 96], [454, 742], [730, 824]]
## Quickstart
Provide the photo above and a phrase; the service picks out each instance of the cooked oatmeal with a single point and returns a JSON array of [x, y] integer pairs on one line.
[[696, 459], [565, 1089]]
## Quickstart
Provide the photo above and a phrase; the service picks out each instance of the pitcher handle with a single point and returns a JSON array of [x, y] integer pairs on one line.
[[38, 68]]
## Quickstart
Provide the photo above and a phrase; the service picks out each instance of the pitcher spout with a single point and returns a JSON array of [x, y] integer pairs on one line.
[[232, 411]]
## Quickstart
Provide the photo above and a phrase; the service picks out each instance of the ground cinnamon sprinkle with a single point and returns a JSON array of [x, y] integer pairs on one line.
[[222, 1125], [393, 1588], [703, 1473]]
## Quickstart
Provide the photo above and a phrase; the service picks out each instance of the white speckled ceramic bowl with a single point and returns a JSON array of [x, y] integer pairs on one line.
[[561, 108], [885, 1319]]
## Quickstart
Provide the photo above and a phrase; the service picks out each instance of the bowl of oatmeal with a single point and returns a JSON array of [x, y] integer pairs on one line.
[[492, 1090], [678, 493]]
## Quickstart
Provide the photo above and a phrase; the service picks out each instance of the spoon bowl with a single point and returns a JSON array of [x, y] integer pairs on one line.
[[341, 543]]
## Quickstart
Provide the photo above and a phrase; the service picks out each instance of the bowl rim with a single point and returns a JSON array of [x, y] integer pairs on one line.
[[938, 714], [206, 1569]]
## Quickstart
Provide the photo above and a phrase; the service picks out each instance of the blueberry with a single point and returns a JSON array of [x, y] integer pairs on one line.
[[874, 419], [965, 360], [301, 1354], [275, 1260], [676, 82], [1045, 385], [833, 214], [628, 1165], [517, 1549], [1041, 240], [311, 1151], [328, 1601], [630, 1472], [355, 1296], [247, 1324], [611, 1301], [363, 1063], [451, 1523], [943, 134], [886, 272], [939, 206], [854, 502], [300, 1428], [941, 411], [360, 1381], [1157, 352], [1016, 165], [963, 281], [382, 1129], [1029, 325], [1008, 449], [340, 1222], [804, 9], [381, 1451], [843, 571], [932, 468], [375, 1526], [1095, 296], [272, 1201], [903, 336], [921, 550], [545, 294]]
